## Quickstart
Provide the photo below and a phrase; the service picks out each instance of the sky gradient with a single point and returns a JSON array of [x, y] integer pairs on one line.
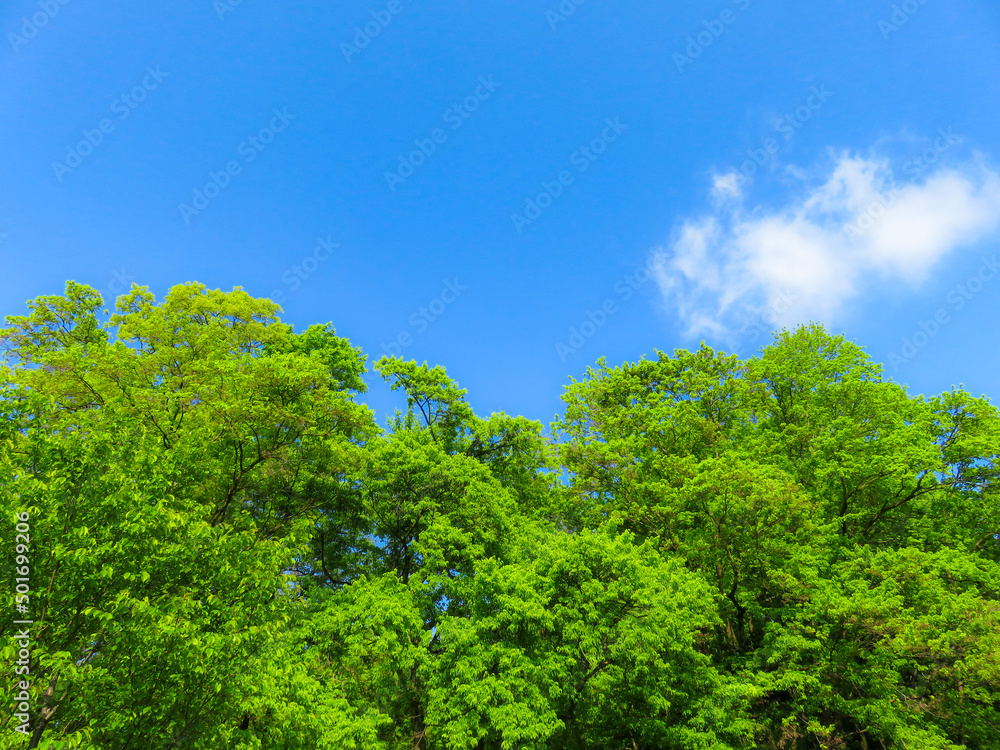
[[515, 190]]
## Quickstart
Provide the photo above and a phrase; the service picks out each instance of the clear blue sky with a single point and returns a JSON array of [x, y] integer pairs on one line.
[[750, 161]]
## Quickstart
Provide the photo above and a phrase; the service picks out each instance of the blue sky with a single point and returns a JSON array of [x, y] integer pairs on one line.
[[515, 190]]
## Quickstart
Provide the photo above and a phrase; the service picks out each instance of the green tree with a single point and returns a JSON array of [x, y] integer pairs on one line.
[[172, 459], [772, 478], [787, 552]]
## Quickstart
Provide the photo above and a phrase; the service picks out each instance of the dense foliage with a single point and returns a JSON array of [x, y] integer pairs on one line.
[[705, 553]]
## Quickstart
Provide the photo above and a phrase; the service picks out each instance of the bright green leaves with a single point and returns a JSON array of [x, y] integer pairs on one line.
[[632, 432], [345, 363], [583, 641], [968, 433], [621, 658], [54, 324], [489, 681], [432, 512], [512, 448], [174, 473], [772, 479], [785, 552], [195, 321], [368, 643], [431, 396]]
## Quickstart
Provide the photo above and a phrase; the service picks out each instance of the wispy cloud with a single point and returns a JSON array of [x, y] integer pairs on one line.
[[823, 248]]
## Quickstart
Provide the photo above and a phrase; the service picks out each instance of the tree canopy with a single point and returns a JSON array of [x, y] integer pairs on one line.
[[784, 552]]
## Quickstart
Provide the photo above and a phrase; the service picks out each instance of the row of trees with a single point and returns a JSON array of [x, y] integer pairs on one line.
[[705, 552]]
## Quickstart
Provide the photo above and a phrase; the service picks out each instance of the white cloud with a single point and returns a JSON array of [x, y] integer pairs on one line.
[[810, 258], [726, 186]]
